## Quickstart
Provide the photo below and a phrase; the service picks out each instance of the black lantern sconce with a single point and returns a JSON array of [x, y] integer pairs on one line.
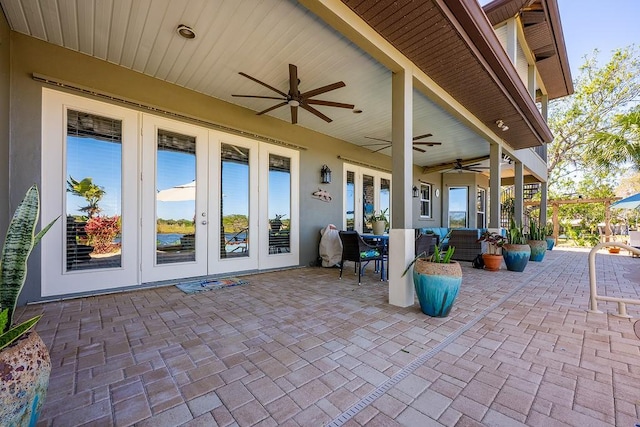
[[416, 192], [325, 174]]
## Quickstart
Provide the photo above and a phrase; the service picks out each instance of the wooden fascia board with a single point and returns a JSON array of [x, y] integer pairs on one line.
[[553, 15], [480, 36]]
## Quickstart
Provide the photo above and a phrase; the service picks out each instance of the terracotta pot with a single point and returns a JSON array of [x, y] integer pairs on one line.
[[436, 286], [492, 262], [515, 256], [538, 249], [614, 250], [24, 377]]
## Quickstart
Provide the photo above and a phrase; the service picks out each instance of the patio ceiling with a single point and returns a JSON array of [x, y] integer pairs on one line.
[[261, 39]]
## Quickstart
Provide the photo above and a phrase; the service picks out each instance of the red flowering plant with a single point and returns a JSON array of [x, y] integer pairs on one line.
[[102, 230], [494, 240]]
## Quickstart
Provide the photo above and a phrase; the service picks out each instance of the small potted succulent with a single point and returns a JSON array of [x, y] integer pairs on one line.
[[493, 256], [379, 222]]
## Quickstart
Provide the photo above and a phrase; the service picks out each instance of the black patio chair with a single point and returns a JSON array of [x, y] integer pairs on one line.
[[425, 243], [355, 249]]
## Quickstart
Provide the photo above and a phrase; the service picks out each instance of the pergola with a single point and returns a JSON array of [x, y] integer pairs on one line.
[[556, 207]]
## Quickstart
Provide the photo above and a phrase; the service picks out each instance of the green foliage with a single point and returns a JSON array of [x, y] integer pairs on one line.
[[596, 128], [91, 192], [16, 332], [535, 231], [515, 233], [17, 247], [494, 241], [382, 216], [438, 255]]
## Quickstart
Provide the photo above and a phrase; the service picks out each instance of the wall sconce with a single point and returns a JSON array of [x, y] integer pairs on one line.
[[502, 126], [416, 192], [325, 175]]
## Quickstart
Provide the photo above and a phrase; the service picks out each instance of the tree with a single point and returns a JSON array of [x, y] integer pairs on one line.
[[91, 192], [596, 128]]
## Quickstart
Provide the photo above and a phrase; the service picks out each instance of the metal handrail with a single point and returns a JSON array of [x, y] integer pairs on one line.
[[594, 297]]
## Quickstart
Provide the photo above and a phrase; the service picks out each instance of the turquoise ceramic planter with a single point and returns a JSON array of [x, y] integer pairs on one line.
[[538, 249], [437, 286], [550, 243], [516, 257]]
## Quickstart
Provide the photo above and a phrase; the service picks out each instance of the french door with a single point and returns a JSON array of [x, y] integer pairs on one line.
[[366, 191], [144, 198]]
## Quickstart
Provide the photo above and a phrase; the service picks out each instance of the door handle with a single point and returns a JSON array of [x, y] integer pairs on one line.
[[204, 222]]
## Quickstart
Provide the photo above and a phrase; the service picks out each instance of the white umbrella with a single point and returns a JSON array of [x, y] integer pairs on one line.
[[178, 193], [631, 202]]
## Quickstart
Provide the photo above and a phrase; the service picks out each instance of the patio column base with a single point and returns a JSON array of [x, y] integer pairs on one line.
[[401, 253]]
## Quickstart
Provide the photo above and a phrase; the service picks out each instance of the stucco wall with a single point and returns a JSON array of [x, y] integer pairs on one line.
[[4, 125], [30, 56]]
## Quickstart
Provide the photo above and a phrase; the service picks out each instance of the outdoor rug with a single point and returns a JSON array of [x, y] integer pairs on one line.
[[202, 285]]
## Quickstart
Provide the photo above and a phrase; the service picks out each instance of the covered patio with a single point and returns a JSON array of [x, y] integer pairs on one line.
[[300, 347]]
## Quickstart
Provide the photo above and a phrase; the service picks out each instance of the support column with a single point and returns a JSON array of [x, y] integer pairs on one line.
[[495, 160], [402, 235], [518, 193], [543, 203]]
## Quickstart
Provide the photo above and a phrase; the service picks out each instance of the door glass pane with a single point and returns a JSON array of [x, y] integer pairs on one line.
[[458, 206], [367, 203], [94, 192], [234, 202], [176, 198], [350, 214], [385, 196], [279, 204]]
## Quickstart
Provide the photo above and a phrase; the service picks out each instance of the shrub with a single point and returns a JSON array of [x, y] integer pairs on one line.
[[102, 230]]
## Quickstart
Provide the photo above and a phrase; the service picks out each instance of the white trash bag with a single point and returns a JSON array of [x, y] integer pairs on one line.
[[330, 246]]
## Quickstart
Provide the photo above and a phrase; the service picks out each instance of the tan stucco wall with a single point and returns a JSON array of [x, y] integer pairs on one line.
[[29, 56], [4, 125]]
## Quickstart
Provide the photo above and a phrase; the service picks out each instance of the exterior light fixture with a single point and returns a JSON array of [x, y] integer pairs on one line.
[[186, 32], [502, 126], [325, 175], [416, 192]]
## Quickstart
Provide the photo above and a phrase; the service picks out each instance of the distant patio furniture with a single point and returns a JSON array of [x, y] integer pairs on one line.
[[634, 240], [466, 243], [355, 249], [425, 243]]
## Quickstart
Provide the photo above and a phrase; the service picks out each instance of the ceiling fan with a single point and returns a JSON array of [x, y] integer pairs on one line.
[[474, 167], [416, 141], [294, 98]]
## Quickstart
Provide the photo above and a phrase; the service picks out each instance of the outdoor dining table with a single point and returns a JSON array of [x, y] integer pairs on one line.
[[380, 240]]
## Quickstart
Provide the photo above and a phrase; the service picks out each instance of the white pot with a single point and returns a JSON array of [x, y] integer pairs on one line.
[[379, 227]]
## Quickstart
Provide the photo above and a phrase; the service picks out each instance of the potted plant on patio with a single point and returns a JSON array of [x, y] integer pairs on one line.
[[537, 241], [516, 251], [493, 257], [24, 358], [548, 232], [379, 222], [436, 279]]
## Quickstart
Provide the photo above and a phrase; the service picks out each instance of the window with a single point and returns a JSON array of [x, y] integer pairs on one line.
[[458, 207], [481, 206], [425, 200]]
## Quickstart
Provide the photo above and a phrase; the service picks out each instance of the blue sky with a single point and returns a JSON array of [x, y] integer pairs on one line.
[[605, 25]]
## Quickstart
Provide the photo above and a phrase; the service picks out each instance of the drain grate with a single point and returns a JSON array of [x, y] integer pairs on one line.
[[420, 360]]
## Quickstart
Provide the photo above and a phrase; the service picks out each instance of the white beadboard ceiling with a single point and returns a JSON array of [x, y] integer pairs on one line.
[[259, 38]]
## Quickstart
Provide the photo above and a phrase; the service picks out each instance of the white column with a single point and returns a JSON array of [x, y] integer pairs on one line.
[[518, 193], [402, 235], [495, 160]]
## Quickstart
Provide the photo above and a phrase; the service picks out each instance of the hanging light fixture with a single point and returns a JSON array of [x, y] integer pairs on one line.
[[325, 175]]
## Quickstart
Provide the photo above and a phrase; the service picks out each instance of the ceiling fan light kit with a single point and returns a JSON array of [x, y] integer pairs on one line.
[[294, 98]]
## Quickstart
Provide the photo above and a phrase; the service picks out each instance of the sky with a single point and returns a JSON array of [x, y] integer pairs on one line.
[[602, 24]]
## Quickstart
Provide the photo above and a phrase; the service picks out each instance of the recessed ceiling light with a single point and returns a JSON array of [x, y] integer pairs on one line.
[[186, 32]]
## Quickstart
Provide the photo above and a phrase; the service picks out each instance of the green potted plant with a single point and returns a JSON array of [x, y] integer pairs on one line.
[[436, 279], [536, 240], [379, 221], [551, 240], [493, 256], [23, 355], [516, 251]]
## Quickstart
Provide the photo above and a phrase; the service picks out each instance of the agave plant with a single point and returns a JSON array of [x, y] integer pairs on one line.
[[18, 245]]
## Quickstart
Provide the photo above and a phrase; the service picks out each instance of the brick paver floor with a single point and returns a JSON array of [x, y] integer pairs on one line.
[[301, 348]]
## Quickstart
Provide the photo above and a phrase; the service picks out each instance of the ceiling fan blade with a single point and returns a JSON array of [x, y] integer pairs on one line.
[[380, 149], [430, 144], [282, 104], [322, 89], [419, 149], [263, 84], [373, 145], [256, 96], [329, 103], [316, 112], [378, 139], [294, 115], [426, 135], [293, 81]]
